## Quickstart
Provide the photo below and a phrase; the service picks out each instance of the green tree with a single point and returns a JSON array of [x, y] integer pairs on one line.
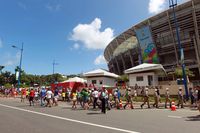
[[8, 86], [179, 73]]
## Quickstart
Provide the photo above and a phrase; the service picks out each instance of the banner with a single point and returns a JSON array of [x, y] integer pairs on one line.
[[147, 47], [17, 75]]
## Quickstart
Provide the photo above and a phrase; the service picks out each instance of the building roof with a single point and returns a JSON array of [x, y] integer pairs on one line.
[[100, 72], [146, 67]]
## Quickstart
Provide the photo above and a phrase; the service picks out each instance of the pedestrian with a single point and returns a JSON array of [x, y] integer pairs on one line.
[[145, 97], [135, 94], [180, 97], [167, 98], [23, 95], [36, 97], [85, 96], [42, 96], [156, 98], [115, 94], [63, 95], [74, 99], [56, 96], [198, 97], [49, 95], [79, 98], [128, 97], [95, 97], [31, 97], [103, 101], [191, 95]]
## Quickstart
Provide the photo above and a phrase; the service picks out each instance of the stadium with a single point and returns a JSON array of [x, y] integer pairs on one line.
[[160, 45]]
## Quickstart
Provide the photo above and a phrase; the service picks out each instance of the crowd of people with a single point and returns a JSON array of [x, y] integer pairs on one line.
[[102, 98]]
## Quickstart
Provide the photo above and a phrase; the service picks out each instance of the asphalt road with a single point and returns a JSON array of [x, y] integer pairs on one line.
[[17, 117]]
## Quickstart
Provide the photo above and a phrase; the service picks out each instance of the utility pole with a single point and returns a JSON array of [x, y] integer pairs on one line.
[[20, 64], [172, 5]]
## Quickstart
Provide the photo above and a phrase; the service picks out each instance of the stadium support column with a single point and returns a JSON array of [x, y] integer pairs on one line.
[[123, 62], [131, 58], [171, 32], [196, 37], [129, 53], [117, 66]]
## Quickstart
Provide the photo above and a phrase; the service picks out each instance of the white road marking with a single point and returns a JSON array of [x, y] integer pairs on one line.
[[72, 120], [178, 117]]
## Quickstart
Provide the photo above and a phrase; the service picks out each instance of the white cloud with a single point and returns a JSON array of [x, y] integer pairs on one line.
[[11, 60], [100, 60], [90, 35], [76, 46], [156, 6], [1, 43], [53, 7]]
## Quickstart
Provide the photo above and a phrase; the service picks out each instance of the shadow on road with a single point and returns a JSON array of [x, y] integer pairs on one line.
[[94, 113], [193, 118]]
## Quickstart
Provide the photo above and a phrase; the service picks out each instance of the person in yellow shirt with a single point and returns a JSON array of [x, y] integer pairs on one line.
[[74, 99], [63, 96]]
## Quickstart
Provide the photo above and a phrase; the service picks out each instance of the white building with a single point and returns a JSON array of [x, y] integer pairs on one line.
[[145, 74], [101, 78]]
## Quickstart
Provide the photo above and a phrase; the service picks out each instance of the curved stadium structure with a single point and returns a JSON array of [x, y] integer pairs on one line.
[[154, 40]]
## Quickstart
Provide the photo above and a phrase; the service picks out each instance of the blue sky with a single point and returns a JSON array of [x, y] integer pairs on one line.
[[73, 32]]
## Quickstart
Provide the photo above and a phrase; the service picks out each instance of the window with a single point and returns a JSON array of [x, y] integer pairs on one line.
[[139, 78], [100, 82], [94, 81]]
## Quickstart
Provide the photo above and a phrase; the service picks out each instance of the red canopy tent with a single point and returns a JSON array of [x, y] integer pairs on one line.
[[73, 83]]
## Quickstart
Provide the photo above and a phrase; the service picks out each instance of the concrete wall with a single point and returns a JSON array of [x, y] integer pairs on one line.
[[107, 81], [133, 81]]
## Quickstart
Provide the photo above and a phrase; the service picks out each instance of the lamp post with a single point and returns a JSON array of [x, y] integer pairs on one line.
[[54, 63], [20, 64], [173, 4]]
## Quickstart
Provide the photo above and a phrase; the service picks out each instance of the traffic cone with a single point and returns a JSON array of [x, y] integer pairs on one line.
[[173, 107]]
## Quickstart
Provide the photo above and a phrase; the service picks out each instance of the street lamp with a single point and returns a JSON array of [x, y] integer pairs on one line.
[[20, 65], [54, 63], [173, 4]]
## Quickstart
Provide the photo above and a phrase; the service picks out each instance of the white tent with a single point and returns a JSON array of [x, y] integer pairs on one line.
[[158, 68], [100, 72], [75, 79]]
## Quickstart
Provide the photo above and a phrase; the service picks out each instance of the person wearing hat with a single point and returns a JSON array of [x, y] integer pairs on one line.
[[103, 100], [167, 98], [146, 97], [95, 98], [156, 98], [115, 94], [180, 97], [128, 97]]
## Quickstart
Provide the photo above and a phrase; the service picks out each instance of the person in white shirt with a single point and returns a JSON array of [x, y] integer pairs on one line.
[[180, 97], [36, 95], [95, 95], [167, 98], [49, 95]]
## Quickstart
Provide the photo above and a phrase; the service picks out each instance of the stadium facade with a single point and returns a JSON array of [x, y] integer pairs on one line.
[[154, 40]]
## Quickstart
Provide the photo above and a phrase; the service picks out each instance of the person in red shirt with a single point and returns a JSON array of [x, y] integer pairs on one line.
[[23, 94], [31, 97]]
